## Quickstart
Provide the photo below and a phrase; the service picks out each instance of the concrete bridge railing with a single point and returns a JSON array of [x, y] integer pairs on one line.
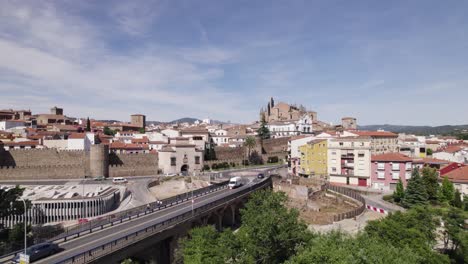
[[128, 239]]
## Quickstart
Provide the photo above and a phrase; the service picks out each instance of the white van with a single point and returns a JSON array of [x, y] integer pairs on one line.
[[119, 180], [235, 182]]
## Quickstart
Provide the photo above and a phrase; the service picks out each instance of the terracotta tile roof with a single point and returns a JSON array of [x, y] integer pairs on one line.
[[430, 161], [299, 137], [459, 175], [391, 157], [410, 140], [432, 142], [21, 143], [452, 149], [76, 136], [143, 140], [375, 133], [121, 145]]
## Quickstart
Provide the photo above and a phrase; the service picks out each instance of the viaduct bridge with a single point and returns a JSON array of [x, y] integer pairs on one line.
[[154, 231]]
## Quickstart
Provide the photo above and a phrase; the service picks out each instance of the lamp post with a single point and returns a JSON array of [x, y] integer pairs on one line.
[[25, 226], [191, 180]]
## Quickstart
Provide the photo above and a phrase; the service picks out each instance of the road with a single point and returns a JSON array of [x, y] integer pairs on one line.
[[93, 240]]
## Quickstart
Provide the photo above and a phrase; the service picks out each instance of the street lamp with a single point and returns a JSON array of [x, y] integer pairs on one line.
[[25, 226]]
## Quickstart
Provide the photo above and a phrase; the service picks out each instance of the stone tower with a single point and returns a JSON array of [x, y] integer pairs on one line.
[[138, 120], [99, 161]]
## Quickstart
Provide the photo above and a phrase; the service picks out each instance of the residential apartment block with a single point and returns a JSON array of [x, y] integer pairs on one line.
[[314, 158], [387, 169], [349, 161], [381, 141]]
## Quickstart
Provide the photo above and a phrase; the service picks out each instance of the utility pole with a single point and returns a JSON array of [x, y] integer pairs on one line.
[[25, 226], [192, 190]]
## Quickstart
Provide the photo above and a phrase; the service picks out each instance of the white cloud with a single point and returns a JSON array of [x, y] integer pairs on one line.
[[163, 82], [136, 17]]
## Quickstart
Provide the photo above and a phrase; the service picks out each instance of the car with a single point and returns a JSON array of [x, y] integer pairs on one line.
[[39, 251], [100, 178], [119, 180], [261, 176], [170, 174]]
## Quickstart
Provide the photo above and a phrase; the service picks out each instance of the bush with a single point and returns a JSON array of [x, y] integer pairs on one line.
[[273, 160], [206, 167], [214, 166], [388, 197]]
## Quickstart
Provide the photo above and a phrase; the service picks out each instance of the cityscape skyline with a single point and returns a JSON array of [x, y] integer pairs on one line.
[[381, 63]]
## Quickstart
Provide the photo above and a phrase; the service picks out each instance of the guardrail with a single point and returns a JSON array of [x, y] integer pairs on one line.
[[350, 193], [121, 242], [123, 216]]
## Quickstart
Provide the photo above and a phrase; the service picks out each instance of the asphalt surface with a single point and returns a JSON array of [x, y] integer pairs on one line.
[[90, 241]]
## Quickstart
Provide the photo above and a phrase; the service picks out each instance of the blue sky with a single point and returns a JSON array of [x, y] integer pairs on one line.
[[397, 62]]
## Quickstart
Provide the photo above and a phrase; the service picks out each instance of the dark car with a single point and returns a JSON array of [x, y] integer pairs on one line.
[[39, 251], [261, 176]]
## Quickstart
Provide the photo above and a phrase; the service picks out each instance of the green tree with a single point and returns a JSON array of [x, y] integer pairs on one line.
[[141, 130], [399, 192], [10, 204], [202, 247], [129, 261], [337, 247], [415, 193], [447, 191], [250, 143], [16, 236], [108, 131], [263, 131], [270, 233], [88, 125], [455, 236], [457, 201], [414, 229], [465, 202], [430, 180], [429, 152]]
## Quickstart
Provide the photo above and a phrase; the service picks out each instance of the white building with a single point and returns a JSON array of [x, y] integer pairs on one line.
[[7, 125], [349, 161], [80, 141], [180, 158], [454, 153], [220, 137], [172, 133]]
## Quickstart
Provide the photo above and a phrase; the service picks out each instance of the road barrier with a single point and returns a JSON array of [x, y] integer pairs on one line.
[[128, 239], [123, 216], [352, 194]]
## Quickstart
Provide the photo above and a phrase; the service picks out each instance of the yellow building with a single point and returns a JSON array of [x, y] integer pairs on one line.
[[314, 157]]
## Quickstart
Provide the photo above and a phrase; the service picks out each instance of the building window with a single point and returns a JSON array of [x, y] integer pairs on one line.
[[197, 160], [173, 161], [380, 175], [333, 169], [395, 175], [381, 166], [361, 155], [333, 161], [408, 175], [396, 166]]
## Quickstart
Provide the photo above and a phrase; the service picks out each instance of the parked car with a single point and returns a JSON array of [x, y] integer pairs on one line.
[[39, 251], [261, 176], [170, 174], [100, 178], [119, 180]]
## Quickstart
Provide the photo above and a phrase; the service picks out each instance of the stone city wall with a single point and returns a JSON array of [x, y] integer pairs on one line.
[[42, 164], [121, 165], [26, 164]]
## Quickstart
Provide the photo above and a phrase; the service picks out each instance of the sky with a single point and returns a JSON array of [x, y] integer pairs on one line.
[[383, 62]]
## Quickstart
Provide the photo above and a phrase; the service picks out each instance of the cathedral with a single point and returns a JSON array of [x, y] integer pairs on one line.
[[285, 112]]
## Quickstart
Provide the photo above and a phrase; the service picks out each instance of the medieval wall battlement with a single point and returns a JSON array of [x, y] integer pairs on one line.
[[63, 164]]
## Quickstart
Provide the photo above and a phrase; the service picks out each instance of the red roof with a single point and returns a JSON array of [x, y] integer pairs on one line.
[[21, 143], [450, 167], [77, 136], [375, 133], [121, 145], [143, 140], [458, 175], [430, 161], [391, 157]]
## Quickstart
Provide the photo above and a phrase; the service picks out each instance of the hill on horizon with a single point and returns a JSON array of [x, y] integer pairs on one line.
[[419, 130]]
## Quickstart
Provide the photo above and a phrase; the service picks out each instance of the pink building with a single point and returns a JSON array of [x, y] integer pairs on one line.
[[387, 169]]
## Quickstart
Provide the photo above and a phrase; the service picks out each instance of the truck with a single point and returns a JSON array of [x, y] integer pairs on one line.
[[235, 182]]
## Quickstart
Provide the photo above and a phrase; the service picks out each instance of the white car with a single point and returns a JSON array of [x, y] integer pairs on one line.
[[170, 174], [119, 180]]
